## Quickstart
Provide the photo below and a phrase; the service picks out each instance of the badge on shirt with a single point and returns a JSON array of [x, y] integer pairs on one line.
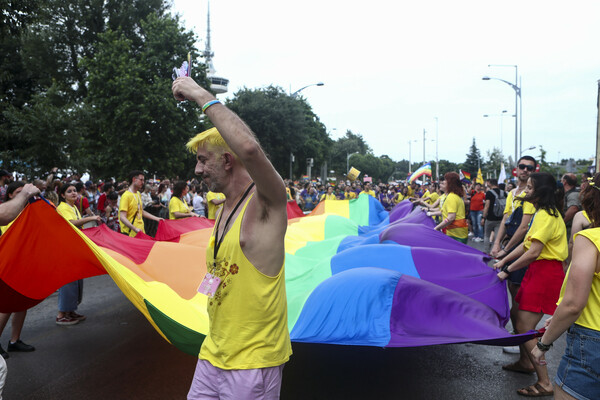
[[209, 285]]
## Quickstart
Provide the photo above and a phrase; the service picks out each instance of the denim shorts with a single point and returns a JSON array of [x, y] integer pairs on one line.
[[578, 373]]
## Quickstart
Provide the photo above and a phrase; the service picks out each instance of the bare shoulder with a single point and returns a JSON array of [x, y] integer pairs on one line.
[[262, 235]]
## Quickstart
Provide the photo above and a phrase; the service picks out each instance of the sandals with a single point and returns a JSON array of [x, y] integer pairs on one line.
[[516, 367], [535, 391]]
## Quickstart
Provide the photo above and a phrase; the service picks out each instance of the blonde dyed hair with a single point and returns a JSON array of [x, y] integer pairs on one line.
[[213, 141]]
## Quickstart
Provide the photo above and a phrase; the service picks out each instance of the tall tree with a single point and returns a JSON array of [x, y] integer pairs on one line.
[[344, 147], [130, 113], [284, 125], [52, 65], [495, 158], [473, 160]]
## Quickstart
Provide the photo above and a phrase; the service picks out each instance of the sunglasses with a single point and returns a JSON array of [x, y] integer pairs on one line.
[[527, 167]]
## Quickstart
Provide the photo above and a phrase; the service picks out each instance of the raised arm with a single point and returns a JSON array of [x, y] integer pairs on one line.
[[11, 209], [241, 140]]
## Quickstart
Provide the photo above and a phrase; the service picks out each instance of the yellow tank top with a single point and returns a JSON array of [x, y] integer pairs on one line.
[[248, 313], [590, 316]]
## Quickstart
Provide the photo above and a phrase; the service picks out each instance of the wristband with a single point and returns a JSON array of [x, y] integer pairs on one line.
[[543, 347], [208, 104], [505, 270]]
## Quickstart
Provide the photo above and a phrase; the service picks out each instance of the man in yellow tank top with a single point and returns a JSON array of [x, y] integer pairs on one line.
[[248, 342]]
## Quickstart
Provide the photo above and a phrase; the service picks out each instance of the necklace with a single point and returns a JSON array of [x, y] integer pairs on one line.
[[219, 241]]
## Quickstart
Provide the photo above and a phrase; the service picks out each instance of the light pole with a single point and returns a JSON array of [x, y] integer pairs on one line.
[[295, 94], [529, 148], [348, 160], [410, 142], [501, 115], [518, 114], [437, 161], [292, 159]]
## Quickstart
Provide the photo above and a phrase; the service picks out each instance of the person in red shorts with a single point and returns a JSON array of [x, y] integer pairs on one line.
[[543, 250]]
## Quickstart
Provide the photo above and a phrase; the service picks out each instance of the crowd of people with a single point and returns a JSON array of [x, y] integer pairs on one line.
[[128, 207], [539, 230], [309, 194]]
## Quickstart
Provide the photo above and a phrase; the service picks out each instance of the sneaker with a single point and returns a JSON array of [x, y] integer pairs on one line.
[[3, 353], [20, 346], [470, 234], [66, 320], [76, 316], [511, 349]]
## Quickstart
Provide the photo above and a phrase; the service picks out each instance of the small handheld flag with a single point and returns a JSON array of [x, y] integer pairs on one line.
[[184, 70]]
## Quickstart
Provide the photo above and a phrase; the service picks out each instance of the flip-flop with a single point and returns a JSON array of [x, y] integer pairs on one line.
[[535, 391], [516, 367]]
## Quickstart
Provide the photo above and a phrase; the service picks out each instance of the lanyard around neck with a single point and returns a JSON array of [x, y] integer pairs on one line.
[[219, 241]]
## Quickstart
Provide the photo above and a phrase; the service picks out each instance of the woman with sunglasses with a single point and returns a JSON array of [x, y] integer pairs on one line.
[[69, 296], [543, 250], [578, 312]]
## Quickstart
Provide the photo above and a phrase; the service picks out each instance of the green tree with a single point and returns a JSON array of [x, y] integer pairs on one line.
[[448, 166], [284, 125], [129, 113], [492, 166], [473, 160], [345, 147], [378, 168], [44, 80]]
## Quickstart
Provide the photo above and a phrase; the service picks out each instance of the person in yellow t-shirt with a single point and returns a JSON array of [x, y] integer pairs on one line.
[[215, 202], [329, 195], [543, 251], [178, 208], [349, 194], [454, 223], [131, 210], [434, 196], [578, 310], [367, 190], [514, 201], [402, 195], [426, 197], [69, 294]]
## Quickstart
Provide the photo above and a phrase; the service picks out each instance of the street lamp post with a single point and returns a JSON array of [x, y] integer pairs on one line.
[[501, 115], [437, 161], [529, 148], [348, 160], [517, 90], [410, 142], [295, 94]]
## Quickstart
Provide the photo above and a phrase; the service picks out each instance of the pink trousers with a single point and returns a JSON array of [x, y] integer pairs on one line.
[[210, 382]]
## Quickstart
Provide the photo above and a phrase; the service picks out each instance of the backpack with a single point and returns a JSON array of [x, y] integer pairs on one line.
[[514, 221], [499, 204]]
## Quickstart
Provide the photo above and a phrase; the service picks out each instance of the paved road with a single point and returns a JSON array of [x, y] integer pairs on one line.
[[116, 354]]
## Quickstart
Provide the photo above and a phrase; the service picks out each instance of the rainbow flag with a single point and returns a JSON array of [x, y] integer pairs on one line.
[[464, 176], [424, 169], [355, 275]]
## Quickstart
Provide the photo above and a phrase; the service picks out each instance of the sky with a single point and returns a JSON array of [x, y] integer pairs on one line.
[[392, 69]]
